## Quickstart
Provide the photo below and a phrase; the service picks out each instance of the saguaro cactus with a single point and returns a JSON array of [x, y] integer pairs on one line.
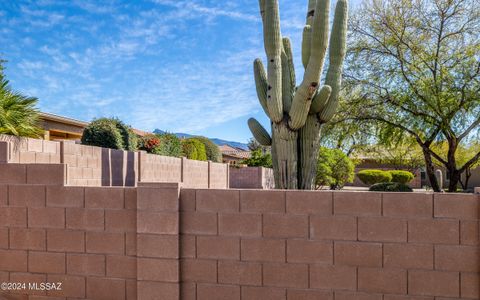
[[298, 113]]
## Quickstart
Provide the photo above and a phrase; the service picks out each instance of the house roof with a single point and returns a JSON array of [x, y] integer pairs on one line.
[[69, 121], [61, 119], [228, 150]]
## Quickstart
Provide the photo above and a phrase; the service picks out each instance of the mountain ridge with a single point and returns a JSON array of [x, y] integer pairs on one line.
[[216, 141]]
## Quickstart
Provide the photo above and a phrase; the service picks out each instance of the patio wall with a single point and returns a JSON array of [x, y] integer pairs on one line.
[[251, 178], [240, 244], [95, 166], [150, 243], [99, 242]]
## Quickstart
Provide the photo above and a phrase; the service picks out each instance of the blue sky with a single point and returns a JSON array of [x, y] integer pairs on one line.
[[176, 65]]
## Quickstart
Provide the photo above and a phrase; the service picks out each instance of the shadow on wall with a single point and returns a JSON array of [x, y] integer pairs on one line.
[[106, 176], [118, 168]]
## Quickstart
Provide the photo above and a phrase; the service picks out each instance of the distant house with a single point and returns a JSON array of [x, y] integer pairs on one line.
[[62, 128], [232, 155]]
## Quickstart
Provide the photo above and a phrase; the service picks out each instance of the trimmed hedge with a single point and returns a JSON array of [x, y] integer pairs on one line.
[[130, 139], [103, 133], [370, 177], [110, 133], [390, 187], [401, 176]]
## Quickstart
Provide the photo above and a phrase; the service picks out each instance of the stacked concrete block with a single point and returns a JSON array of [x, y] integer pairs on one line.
[[251, 178], [100, 243], [218, 175], [27, 150], [156, 168], [84, 164], [94, 166], [241, 244], [194, 173]]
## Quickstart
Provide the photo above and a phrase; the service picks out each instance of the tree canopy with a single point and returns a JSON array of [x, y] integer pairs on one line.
[[416, 68]]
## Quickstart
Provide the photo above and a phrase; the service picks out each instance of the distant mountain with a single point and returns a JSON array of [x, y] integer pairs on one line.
[[218, 142]]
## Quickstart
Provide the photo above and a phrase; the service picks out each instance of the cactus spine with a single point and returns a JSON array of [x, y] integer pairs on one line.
[[298, 113]]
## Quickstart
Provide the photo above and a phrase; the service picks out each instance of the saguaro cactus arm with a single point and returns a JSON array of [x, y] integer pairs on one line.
[[259, 133], [306, 45], [288, 75], [320, 99], [261, 83], [273, 47], [307, 89], [337, 56]]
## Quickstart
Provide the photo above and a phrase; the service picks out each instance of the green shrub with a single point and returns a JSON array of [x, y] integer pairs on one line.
[[102, 133], [401, 176], [170, 145], [390, 187], [212, 150], [259, 159], [194, 149], [161, 144], [129, 138], [334, 169], [370, 177], [110, 133]]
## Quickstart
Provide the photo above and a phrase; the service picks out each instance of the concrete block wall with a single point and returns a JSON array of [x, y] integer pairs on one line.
[[218, 175], [99, 242], [294, 245], [156, 168], [95, 166], [152, 243], [194, 173], [84, 164], [27, 150], [251, 178]]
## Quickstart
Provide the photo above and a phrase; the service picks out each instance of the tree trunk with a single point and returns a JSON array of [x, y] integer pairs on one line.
[[455, 176], [468, 174], [430, 170]]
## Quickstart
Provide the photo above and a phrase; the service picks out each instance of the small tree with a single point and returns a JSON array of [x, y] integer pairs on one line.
[[212, 150], [258, 159], [417, 65], [170, 145], [194, 149], [334, 169]]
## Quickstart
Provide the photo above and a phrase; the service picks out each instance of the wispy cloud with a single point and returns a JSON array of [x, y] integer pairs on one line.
[[173, 64]]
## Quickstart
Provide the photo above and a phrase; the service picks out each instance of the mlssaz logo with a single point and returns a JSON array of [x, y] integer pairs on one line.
[[45, 286]]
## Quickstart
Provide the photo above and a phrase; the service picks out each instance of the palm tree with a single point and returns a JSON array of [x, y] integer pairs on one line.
[[18, 113]]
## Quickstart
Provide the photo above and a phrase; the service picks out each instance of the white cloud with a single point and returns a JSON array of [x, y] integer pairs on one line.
[[104, 72], [93, 7]]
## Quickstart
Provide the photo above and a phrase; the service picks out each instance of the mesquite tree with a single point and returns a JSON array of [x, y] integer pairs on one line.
[[298, 113], [416, 64]]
